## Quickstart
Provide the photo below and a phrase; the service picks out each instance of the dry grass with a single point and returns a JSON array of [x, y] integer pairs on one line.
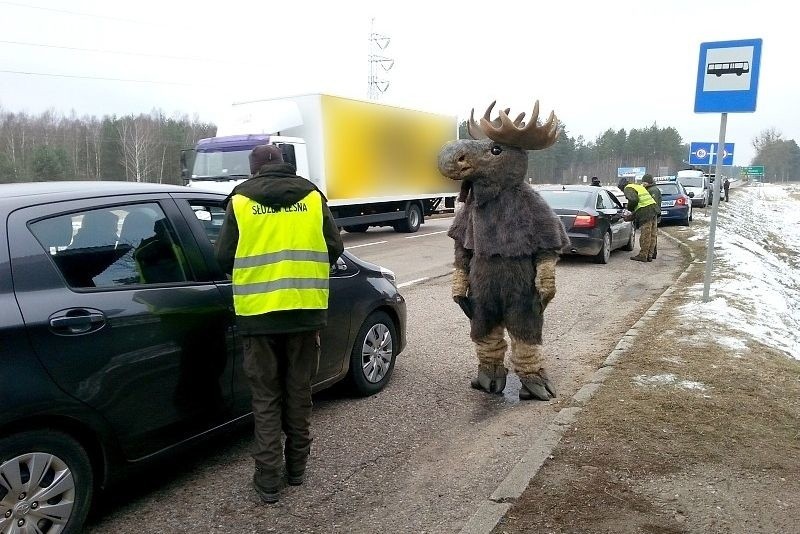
[[641, 457]]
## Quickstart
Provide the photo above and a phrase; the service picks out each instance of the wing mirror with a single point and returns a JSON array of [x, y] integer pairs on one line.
[[691, 195]]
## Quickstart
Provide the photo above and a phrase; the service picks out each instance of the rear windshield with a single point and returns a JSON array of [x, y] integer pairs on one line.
[[692, 181], [565, 199], [669, 189]]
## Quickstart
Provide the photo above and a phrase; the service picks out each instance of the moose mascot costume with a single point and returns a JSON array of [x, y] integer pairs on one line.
[[507, 241]]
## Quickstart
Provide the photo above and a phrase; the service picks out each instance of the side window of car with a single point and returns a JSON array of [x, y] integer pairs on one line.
[[602, 201], [112, 247], [614, 202], [211, 216]]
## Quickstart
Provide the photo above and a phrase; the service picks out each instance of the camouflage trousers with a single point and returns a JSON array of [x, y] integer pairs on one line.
[[648, 235]]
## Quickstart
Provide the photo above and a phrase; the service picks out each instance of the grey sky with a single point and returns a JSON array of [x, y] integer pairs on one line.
[[613, 64]]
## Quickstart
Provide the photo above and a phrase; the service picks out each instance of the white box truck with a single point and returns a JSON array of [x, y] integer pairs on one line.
[[375, 163]]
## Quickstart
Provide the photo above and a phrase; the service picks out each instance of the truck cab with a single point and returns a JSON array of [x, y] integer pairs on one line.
[[221, 163]]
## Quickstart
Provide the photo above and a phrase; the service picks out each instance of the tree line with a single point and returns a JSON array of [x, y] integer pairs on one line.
[[135, 148], [146, 148]]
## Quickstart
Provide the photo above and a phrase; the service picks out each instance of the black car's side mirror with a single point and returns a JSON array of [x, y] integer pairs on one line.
[[691, 195]]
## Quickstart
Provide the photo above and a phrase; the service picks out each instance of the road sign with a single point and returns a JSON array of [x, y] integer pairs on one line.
[[756, 170], [727, 76], [706, 154], [631, 172]]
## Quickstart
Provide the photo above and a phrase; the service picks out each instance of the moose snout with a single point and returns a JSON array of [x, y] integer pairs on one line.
[[453, 161]]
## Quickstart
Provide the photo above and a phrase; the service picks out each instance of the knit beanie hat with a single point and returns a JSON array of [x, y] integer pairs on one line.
[[264, 155]]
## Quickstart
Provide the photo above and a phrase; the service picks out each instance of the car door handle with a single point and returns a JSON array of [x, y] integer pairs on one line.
[[77, 321]]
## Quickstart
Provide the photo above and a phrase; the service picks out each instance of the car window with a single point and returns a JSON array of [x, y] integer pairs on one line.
[[602, 202], [211, 216], [119, 246], [669, 189], [615, 203], [565, 198]]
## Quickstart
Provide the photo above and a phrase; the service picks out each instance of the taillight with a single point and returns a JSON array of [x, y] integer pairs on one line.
[[681, 201], [584, 220]]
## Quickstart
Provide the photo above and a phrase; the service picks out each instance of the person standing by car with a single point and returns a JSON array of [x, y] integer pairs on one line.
[[278, 240], [596, 181], [644, 213], [726, 185], [655, 192]]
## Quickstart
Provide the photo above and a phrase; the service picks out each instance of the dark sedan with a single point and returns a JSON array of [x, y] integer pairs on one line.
[[118, 341], [593, 219], [676, 203]]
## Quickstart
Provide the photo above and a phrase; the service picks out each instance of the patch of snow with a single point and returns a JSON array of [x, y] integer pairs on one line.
[[730, 342], [667, 379], [756, 286]]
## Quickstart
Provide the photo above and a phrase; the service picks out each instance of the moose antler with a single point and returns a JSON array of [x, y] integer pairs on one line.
[[516, 133]]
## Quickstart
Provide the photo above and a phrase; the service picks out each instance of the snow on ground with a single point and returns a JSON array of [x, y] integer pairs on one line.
[[756, 278], [667, 379]]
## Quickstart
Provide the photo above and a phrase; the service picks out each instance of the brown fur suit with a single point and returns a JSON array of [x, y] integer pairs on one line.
[[507, 241]]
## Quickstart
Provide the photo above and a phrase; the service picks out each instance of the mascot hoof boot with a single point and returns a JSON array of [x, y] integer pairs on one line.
[[537, 386], [491, 379]]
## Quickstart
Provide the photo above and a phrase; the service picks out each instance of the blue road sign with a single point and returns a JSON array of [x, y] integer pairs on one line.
[[706, 154], [727, 76]]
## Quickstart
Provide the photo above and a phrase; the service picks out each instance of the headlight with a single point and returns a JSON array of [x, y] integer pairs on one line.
[[389, 275]]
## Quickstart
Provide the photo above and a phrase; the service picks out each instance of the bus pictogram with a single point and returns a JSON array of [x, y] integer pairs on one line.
[[728, 67]]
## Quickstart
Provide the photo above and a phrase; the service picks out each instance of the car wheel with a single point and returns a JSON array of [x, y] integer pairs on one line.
[[631, 240], [357, 228], [605, 252], [412, 221], [372, 357], [45, 483]]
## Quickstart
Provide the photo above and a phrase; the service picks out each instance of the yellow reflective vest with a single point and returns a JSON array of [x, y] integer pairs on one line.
[[281, 260], [645, 199]]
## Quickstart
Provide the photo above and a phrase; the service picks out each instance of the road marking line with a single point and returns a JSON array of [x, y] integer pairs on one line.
[[425, 235], [366, 244], [406, 284]]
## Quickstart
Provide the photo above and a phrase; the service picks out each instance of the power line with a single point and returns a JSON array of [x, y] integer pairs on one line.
[[95, 78], [80, 14], [119, 52]]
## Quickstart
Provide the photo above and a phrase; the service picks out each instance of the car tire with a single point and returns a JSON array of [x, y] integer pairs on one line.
[[412, 221], [356, 228], [605, 251], [631, 240], [373, 355], [65, 475]]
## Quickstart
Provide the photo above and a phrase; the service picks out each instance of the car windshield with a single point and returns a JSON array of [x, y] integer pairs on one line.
[[692, 181], [669, 189], [565, 199], [220, 164]]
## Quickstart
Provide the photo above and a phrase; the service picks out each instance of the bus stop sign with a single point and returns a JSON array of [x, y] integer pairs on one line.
[[727, 76]]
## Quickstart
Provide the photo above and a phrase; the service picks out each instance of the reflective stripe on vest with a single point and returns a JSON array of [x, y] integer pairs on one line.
[[281, 258], [645, 199]]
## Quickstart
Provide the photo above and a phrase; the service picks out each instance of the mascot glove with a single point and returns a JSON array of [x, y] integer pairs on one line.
[[460, 283], [545, 281]]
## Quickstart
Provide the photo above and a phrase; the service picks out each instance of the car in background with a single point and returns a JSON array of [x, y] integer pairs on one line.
[[593, 219], [119, 340], [676, 203], [697, 183]]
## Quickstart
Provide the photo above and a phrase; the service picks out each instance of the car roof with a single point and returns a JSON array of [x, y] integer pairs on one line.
[[568, 187], [20, 193]]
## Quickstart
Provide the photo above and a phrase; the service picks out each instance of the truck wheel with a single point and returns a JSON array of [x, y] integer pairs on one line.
[[412, 221], [357, 228], [48, 480]]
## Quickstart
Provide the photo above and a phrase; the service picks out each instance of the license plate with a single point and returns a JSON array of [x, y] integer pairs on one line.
[[667, 203], [663, 212]]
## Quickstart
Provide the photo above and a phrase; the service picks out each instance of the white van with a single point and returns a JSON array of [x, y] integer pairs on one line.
[[696, 182]]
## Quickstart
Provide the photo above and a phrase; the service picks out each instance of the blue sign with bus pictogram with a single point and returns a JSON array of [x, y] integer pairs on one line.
[[727, 76]]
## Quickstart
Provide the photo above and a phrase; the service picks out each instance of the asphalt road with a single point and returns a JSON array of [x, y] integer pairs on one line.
[[421, 455]]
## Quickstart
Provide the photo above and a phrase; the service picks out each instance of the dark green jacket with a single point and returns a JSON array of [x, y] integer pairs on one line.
[[276, 185]]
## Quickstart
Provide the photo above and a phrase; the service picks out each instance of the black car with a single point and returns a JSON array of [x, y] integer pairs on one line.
[[593, 219], [118, 341]]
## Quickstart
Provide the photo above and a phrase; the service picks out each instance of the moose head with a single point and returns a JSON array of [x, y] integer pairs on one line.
[[496, 158]]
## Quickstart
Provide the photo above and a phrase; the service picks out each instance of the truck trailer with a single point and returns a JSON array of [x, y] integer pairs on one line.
[[376, 164]]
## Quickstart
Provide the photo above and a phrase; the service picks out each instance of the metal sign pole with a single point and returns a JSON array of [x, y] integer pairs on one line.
[[723, 123]]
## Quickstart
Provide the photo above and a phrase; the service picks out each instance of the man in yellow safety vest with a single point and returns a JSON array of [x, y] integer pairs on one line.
[[278, 241], [645, 214]]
